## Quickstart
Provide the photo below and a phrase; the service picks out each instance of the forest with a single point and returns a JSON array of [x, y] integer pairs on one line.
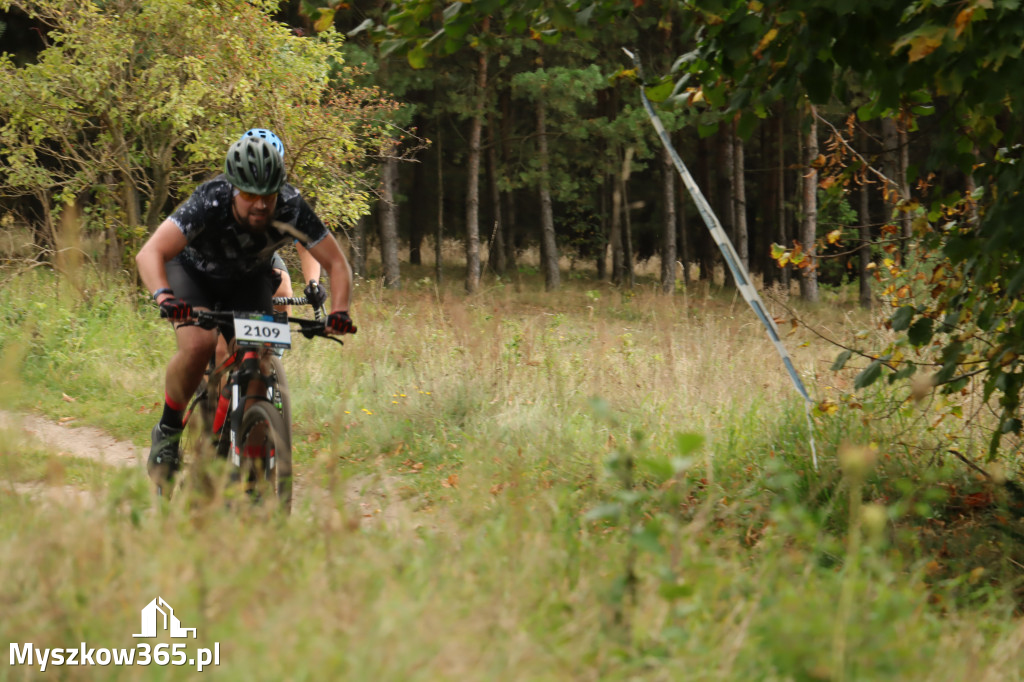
[[837, 142]]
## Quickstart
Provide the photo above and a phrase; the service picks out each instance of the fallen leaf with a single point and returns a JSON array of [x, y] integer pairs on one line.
[[827, 407], [451, 482], [66, 398], [975, 500]]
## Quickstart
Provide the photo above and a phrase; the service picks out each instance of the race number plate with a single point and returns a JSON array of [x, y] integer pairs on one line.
[[262, 331]]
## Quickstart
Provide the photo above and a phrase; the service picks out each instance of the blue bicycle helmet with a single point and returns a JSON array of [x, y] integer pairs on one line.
[[267, 135]]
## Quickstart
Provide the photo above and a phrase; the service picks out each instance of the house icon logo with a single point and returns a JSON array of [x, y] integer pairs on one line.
[[151, 620]]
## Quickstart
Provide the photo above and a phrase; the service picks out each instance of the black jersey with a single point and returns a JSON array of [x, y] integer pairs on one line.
[[219, 247]]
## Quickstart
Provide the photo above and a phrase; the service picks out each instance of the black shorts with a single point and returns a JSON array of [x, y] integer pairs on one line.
[[252, 292]]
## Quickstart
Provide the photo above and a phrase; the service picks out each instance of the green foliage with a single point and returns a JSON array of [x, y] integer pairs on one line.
[[133, 104], [912, 58]]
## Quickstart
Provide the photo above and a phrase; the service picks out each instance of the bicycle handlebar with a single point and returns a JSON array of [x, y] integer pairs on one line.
[[290, 300], [318, 312], [209, 319]]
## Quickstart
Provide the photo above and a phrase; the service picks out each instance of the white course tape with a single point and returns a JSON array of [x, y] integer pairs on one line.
[[732, 259]]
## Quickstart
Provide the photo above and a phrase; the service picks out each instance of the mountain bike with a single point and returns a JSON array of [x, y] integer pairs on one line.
[[242, 405]]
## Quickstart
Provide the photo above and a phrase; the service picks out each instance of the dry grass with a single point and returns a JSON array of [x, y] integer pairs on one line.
[[471, 419]]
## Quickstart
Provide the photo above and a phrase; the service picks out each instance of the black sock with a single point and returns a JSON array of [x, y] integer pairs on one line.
[[171, 418]]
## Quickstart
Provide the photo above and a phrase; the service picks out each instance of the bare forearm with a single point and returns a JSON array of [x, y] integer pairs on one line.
[[331, 257], [341, 284], [310, 266]]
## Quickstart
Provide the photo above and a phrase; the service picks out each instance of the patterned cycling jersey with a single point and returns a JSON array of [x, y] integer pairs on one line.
[[219, 247]]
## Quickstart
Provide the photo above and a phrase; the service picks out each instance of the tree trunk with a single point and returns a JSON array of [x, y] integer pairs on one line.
[[891, 163], [740, 200], [615, 232], [604, 104], [781, 231], [764, 223], [473, 171], [726, 172], [357, 248], [510, 231], [683, 238], [864, 250], [130, 200], [727, 179], [627, 235], [509, 224], [549, 248], [705, 245], [420, 199], [904, 161], [439, 233], [496, 252], [601, 261], [668, 245], [809, 226], [162, 166], [388, 223]]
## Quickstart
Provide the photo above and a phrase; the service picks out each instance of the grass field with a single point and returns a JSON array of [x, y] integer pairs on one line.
[[588, 485]]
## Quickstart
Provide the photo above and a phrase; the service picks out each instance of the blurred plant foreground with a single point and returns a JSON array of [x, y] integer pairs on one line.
[[595, 484]]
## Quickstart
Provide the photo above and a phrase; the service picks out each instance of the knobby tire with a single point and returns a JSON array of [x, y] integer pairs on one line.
[[264, 430]]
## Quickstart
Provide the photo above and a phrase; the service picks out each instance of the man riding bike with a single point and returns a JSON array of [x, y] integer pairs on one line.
[[215, 250]]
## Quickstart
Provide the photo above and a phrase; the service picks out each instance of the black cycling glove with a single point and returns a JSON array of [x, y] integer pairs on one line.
[[175, 309], [315, 293], [339, 322]]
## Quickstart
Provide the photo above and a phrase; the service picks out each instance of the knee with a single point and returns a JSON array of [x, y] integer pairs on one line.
[[197, 347]]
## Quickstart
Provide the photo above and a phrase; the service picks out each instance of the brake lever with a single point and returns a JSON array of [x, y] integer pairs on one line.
[[311, 328], [205, 322]]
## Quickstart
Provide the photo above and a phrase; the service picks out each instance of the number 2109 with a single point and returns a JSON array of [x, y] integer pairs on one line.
[[252, 330]]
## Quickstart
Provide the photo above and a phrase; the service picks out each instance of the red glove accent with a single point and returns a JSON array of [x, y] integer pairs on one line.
[[339, 322], [175, 309]]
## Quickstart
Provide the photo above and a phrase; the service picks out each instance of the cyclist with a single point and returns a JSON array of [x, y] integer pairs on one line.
[[215, 249], [313, 292]]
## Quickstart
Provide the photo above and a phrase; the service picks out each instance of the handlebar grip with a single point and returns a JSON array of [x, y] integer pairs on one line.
[[290, 300]]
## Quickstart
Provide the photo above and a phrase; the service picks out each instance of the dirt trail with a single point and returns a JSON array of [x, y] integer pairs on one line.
[[368, 500], [86, 442]]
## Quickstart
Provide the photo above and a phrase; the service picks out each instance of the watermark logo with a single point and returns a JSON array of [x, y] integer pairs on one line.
[[151, 620], [157, 618]]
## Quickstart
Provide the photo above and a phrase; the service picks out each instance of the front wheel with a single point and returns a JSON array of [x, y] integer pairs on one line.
[[266, 455]]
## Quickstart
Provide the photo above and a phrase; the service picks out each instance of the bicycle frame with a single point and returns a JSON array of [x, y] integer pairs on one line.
[[241, 368], [246, 363]]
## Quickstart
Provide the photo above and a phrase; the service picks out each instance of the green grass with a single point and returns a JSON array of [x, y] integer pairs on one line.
[[471, 512]]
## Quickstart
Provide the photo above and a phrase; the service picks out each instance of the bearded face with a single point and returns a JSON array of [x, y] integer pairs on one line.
[[254, 211]]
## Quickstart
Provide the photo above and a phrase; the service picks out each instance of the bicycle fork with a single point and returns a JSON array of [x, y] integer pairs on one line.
[[247, 373]]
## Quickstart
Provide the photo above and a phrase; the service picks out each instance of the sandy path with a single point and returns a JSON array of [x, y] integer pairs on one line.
[[368, 500], [86, 442]]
